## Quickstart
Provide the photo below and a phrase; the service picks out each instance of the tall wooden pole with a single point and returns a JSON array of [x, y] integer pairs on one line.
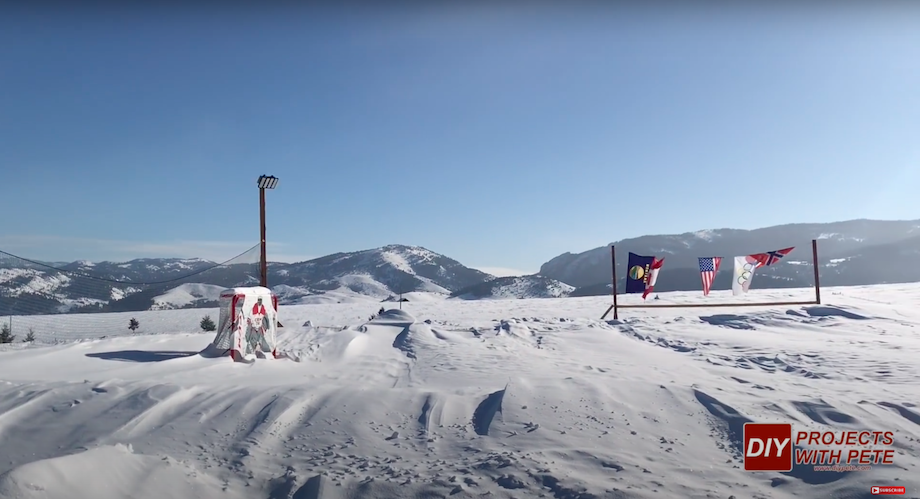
[[814, 256], [263, 262], [613, 266], [613, 272]]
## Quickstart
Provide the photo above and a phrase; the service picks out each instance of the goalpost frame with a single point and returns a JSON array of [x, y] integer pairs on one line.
[[615, 307]]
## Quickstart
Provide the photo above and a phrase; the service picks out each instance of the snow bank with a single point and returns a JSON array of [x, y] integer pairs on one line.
[[111, 472]]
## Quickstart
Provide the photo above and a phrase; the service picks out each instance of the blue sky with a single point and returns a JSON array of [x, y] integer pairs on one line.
[[500, 137]]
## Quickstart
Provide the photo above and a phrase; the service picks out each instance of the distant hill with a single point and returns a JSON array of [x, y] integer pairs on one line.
[[856, 252], [82, 286]]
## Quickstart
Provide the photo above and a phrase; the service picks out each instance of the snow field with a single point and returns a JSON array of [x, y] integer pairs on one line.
[[448, 398]]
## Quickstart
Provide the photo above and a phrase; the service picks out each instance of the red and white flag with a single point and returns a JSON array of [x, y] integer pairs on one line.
[[770, 257], [746, 265], [709, 266], [652, 276]]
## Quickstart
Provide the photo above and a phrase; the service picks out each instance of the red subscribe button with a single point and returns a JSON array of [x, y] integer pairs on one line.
[[888, 491]]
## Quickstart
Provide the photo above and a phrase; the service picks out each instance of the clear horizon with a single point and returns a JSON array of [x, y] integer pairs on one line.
[[496, 136]]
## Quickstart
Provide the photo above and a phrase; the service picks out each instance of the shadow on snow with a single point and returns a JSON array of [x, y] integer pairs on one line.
[[141, 355]]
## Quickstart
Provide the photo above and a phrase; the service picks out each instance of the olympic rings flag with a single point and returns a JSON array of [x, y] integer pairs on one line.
[[745, 266], [744, 272]]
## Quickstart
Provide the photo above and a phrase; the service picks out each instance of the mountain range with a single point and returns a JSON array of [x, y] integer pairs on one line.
[[856, 252]]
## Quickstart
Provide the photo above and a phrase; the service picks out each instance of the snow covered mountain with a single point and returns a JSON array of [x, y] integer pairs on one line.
[[374, 274], [517, 287], [29, 288], [381, 272], [855, 252]]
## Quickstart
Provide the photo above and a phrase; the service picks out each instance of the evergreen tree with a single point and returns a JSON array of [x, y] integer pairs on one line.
[[133, 324], [29, 337], [6, 336], [207, 324]]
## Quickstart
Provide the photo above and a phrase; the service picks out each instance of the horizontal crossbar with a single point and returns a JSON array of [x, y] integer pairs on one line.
[[708, 305]]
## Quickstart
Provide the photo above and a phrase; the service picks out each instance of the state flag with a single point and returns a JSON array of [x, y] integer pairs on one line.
[[642, 273]]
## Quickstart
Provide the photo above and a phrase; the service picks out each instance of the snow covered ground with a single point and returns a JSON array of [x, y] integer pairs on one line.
[[498, 398]]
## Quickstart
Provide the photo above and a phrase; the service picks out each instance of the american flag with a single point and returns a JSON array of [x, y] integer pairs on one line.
[[708, 267], [771, 257]]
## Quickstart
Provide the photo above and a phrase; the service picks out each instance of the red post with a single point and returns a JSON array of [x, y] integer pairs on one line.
[[814, 256]]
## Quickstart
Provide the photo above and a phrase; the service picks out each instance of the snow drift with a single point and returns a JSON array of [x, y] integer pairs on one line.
[[509, 398]]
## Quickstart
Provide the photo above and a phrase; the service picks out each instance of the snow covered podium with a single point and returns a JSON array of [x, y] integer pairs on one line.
[[247, 324]]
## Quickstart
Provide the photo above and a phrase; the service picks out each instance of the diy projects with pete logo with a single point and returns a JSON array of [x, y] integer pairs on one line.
[[770, 447]]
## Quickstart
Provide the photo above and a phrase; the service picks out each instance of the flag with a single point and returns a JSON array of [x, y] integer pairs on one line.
[[642, 274], [770, 257], [745, 266], [653, 277], [709, 266], [744, 272], [638, 270]]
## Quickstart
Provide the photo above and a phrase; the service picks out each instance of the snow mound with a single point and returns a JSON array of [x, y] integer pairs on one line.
[[414, 337], [111, 472], [395, 315]]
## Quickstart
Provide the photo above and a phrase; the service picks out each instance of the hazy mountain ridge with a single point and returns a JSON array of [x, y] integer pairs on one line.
[[856, 252], [26, 288], [850, 253]]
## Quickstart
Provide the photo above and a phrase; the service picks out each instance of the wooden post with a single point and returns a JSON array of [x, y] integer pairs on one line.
[[263, 263], [814, 256], [264, 182], [613, 272], [613, 265]]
